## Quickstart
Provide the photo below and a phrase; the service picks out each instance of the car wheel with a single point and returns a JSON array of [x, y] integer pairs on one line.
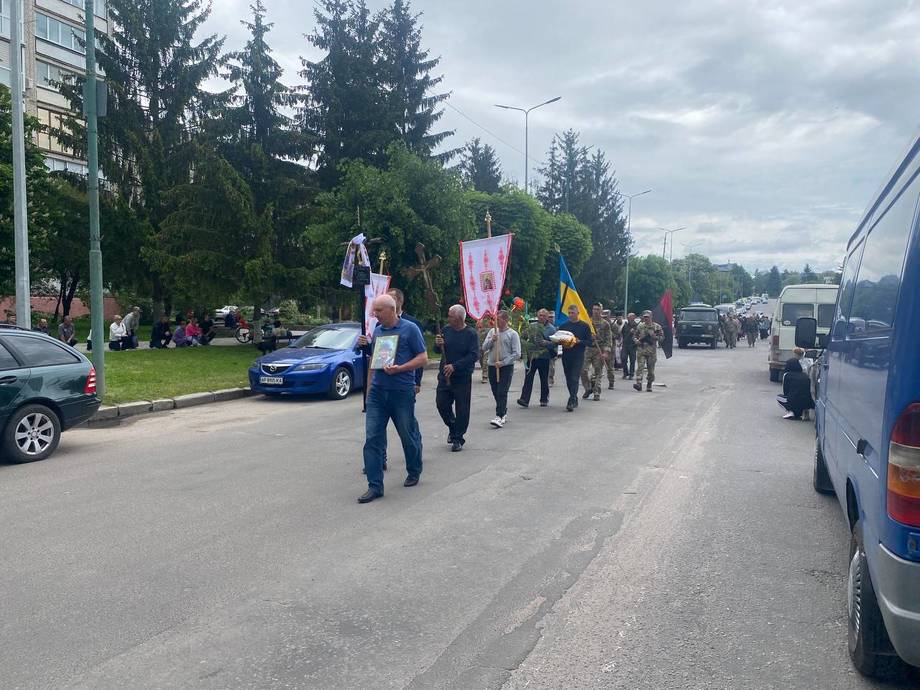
[[774, 375], [341, 384], [682, 344], [713, 344], [32, 433], [822, 480], [869, 646]]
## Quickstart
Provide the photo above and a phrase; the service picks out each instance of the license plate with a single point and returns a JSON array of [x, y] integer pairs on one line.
[[271, 380]]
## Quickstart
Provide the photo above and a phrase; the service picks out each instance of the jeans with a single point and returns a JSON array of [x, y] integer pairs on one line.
[[629, 362], [382, 406], [572, 363], [541, 365], [500, 387], [453, 401]]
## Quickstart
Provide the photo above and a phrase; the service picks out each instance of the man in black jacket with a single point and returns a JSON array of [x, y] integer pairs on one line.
[[458, 346], [573, 357], [629, 346]]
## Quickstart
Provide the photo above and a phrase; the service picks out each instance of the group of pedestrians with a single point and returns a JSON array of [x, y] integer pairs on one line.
[[735, 327], [584, 348]]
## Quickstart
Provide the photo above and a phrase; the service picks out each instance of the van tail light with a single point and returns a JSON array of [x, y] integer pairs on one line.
[[776, 341], [904, 468], [90, 387]]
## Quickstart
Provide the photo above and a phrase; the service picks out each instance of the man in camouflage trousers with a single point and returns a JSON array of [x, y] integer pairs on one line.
[[647, 336], [595, 356], [482, 329]]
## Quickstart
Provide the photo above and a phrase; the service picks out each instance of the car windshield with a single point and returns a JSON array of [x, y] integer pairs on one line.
[[328, 338], [698, 315]]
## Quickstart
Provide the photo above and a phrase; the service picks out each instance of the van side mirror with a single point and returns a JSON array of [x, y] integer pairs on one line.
[[806, 332]]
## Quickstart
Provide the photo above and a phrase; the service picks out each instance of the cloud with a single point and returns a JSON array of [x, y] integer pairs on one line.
[[765, 127]]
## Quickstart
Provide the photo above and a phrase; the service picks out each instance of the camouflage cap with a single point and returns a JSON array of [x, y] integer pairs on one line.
[[647, 312]]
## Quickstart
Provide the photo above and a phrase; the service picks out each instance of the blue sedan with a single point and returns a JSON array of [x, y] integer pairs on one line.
[[324, 360]]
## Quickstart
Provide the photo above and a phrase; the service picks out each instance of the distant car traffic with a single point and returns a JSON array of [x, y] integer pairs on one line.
[[46, 388], [323, 360]]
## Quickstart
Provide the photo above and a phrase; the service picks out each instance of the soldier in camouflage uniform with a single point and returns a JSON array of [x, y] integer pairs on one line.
[[483, 326], [552, 362], [647, 336], [595, 356]]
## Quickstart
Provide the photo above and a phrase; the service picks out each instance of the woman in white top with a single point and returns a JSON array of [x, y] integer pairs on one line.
[[117, 333]]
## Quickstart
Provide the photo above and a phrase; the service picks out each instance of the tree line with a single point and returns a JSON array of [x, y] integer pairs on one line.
[[248, 194]]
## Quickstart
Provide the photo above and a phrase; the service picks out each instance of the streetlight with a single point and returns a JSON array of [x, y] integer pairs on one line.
[[690, 246], [671, 233], [629, 198], [526, 112]]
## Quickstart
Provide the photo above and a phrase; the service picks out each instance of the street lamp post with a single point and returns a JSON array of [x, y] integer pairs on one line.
[[629, 198], [671, 233], [526, 112], [20, 204]]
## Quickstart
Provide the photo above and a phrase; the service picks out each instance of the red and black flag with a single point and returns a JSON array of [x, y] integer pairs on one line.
[[664, 314]]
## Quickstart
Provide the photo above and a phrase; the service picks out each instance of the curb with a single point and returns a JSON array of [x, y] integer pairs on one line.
[[107, 413]]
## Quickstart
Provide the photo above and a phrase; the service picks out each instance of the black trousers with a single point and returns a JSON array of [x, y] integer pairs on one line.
[[572, 363], [453, 401], [500, 388], [541, 365], [629, 362]]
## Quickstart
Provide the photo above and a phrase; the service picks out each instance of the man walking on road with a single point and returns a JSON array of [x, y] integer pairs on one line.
[[573, 357], [647, 338], [596, 356], [400, 300], [503, 346], [482, 328], [629, 346], [540, 351], [458, 346], [391, 395]]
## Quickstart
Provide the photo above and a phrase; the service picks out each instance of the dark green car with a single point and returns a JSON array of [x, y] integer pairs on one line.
[[45, 388], [698, 323]]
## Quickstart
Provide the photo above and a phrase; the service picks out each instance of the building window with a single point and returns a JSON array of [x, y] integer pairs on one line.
[[48, 75], [99, 6], [5, 18], [57, 165], [51, 119], [59, 33]]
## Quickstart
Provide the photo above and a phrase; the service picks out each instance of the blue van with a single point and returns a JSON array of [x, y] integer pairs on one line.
[[867, 450]]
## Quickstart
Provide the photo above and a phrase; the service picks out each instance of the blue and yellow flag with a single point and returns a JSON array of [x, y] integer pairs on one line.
[[569, 296]]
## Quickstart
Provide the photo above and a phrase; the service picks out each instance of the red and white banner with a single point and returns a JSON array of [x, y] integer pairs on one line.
[[379, 286], [483, 267]]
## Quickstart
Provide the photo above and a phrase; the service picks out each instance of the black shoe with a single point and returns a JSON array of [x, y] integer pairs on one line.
[[638, 387], [544, 403], [410, 481], [586, 395], [648, 388], [610, 387], [457, 446], [450, 440], [522, 403], [570, 407], [368, 496]]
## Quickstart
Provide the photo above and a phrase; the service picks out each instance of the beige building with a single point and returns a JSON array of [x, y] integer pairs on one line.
[[52, 31]]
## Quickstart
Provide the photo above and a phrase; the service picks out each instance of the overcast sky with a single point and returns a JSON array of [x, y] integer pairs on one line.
[[764, 127]]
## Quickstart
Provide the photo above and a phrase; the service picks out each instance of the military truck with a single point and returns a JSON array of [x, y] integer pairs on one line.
[[698, 323]]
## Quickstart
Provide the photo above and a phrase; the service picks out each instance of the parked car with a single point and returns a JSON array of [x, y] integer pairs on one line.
[[46, 387], [867, 448], [223, 311], [698, 324], [815, 300], [323, 360]]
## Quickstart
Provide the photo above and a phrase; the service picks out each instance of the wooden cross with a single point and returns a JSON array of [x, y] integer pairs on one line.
[[424, 269]]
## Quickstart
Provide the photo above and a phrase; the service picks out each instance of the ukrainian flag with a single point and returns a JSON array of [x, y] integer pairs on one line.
[[569, 296]]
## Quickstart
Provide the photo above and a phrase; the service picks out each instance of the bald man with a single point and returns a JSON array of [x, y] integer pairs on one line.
[[391, 396]]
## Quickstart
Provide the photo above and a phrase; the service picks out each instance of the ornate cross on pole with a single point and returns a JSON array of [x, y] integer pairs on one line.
[[488, 224], [424, 269]]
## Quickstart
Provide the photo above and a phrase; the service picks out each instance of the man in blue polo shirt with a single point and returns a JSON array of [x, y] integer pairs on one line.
[[391, 395]]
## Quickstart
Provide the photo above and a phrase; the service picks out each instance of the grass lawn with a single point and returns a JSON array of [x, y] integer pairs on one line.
[[151, 374]]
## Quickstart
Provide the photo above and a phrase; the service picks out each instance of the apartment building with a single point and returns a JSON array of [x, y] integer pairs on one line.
[[52, 32]]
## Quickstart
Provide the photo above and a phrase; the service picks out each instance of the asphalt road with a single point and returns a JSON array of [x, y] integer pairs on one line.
[[663, 540]]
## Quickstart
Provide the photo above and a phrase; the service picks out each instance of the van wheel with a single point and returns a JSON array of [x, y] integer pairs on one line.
[[822, 480], [33, 433], [774, 375], [869, 646]]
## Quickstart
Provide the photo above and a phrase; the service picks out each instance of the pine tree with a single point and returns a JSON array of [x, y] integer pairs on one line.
[[260, 98], [808, 275], [406, 69], [155, 70], [346, 108], [480, 168]]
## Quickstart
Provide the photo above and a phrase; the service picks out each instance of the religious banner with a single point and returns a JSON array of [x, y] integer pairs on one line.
[[378, 286], [356, 254], [483, 267]]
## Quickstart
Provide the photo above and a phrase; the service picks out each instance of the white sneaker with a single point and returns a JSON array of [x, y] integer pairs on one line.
[[498, 422]]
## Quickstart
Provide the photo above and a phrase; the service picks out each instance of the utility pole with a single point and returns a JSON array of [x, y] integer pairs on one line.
[[629, 198], [90, 106], [526, 112], [20, 203]]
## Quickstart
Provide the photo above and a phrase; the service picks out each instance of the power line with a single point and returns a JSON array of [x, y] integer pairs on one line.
[[487, 131]]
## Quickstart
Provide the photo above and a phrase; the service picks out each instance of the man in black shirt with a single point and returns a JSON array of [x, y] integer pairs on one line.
[[458, 346], [573, 358], [207, 329]]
